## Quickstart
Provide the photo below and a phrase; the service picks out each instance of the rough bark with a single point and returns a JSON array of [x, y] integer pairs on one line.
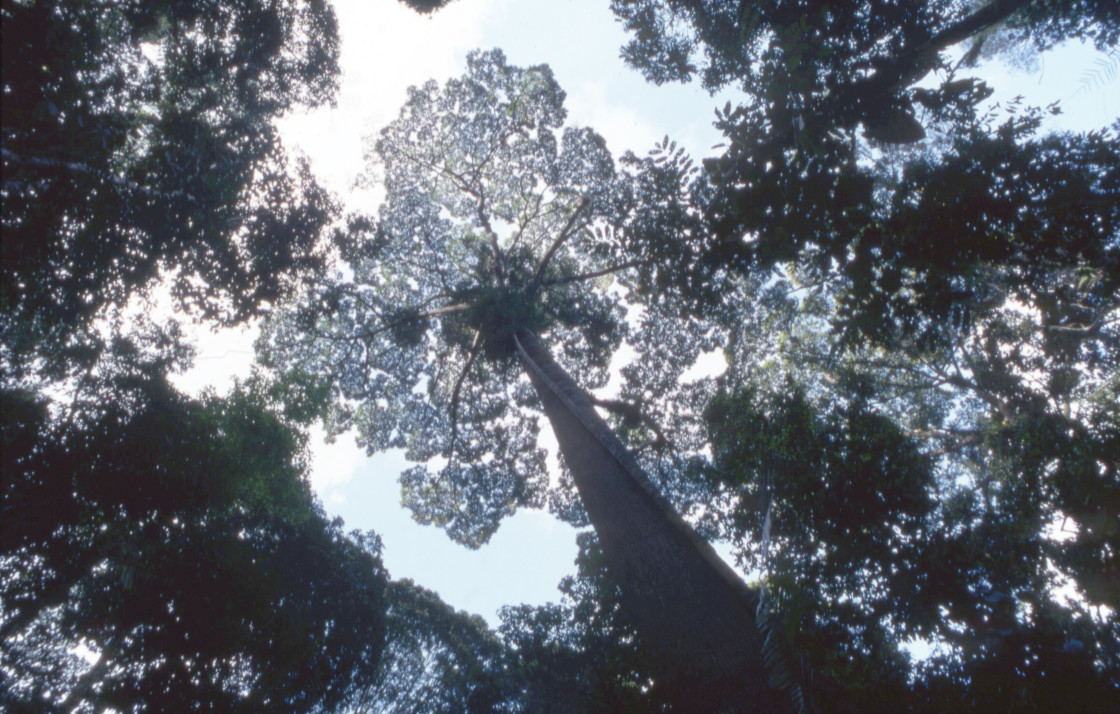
[[694, 614]]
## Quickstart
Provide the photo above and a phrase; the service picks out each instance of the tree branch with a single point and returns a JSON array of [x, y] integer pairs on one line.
[[593, 274], [558, 242], [499, 257], [895, 71], [446, 310], [631, 415], [476, 344]]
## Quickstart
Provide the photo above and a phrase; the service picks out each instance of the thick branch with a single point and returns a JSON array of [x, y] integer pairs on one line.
[[631, 414], [895, 71], [957, 438]]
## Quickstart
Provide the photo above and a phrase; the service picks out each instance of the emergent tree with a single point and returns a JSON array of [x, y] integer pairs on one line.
[[500, 231]]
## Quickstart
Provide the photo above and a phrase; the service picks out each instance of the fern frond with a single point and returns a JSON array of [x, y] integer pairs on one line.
[[1106, 69]]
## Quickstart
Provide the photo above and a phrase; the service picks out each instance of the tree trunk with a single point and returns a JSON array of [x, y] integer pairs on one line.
[[695, 616]]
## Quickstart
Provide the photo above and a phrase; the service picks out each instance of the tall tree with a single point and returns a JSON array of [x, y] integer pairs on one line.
[[139, 146], [165, 554], [496, 228]]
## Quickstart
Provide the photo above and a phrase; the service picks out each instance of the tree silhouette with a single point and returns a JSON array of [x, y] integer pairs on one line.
[[833, 91]]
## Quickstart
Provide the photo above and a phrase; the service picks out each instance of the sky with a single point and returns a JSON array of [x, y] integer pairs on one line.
[[386, 48]]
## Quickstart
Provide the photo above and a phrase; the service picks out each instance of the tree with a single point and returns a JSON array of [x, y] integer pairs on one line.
[[166, 554], [138, 147], [882, 503], [868, 50], [495, 225], [437, 660], [960, 287], [832, 91]]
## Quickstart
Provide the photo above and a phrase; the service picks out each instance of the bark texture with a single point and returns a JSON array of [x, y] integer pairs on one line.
[[694, 614]]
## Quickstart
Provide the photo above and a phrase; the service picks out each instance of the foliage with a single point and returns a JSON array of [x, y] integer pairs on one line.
[[915, 439], [165, 554], [886, 503], [138, 146], [812, 172], [575, 655], [916, 434], [436, 660], [580, 654], [497, 219], [725, 42], [849, 505]]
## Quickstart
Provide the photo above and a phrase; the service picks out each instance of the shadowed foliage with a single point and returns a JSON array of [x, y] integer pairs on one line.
[[164, 554], [139, 146]]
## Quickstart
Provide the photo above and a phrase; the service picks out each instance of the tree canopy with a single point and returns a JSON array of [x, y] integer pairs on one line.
[[496, 218], [162, 553], [921, 334], [138, 146], [809, 174]]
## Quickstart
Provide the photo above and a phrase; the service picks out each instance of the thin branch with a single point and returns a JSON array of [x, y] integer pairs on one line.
[[446, 310], [564, 233], [526, 220], [476, 344], [593, 274], [1097, 323], [458, 179], [499, 257], [10, 156]]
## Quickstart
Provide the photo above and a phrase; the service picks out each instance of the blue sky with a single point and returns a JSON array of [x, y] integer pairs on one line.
[[386, 48]]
